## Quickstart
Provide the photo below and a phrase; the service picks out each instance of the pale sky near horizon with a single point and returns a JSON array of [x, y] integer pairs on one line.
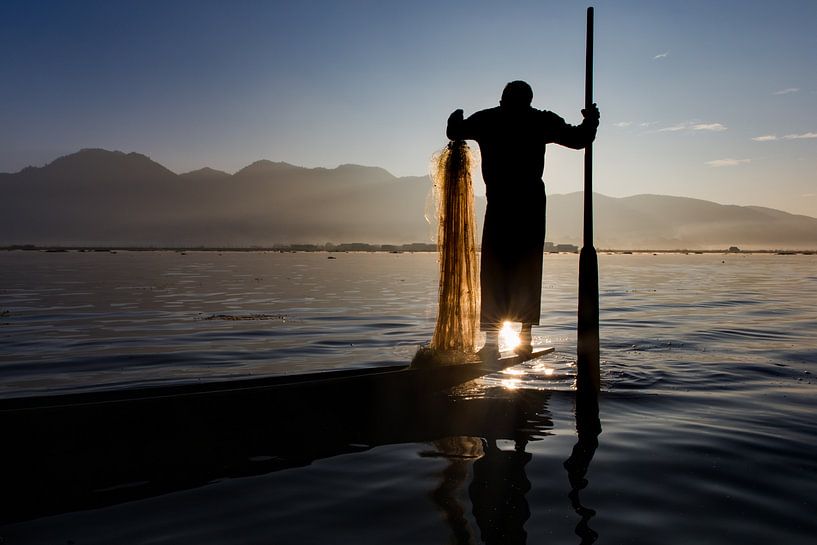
[[707, 99]]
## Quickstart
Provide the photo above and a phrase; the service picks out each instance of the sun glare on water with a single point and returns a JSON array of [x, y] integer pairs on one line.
[[511, 383], [508, 337]]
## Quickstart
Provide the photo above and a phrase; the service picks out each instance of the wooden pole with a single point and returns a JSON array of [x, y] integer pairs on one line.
[[587, 367]]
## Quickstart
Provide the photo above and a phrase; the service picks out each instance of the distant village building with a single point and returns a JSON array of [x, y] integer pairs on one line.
[[554, 248], [420, 247], [356, 247], [303, 247]]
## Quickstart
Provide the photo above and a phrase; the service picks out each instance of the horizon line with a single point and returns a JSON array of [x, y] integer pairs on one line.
[[366, 247]]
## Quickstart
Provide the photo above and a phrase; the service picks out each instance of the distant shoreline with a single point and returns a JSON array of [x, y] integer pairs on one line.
[[417, 247]]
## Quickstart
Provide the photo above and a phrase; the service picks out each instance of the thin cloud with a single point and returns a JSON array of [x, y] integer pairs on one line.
[[718, 163], [641, 124], [661, 56], [804, 136], [693, 126], [809, 195], [717, 127], [773, 137], [675, 128], [788, 91]]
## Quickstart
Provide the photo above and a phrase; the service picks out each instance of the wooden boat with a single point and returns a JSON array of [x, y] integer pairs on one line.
[[76, 451], [394, 381]]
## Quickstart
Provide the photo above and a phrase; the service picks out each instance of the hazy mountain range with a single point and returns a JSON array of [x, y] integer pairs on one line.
[[99, 197]]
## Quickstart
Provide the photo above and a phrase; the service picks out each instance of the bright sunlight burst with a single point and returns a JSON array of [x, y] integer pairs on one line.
[[508, 337]]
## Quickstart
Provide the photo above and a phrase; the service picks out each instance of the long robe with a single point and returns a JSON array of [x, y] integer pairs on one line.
[[512, 144]]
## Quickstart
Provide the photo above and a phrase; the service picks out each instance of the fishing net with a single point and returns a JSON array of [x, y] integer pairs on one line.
[[457, 325]]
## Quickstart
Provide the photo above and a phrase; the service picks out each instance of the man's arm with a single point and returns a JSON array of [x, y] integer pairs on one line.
[[459, 128], [577, 136]]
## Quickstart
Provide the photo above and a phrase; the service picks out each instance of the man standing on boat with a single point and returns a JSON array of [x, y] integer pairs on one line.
[[512, 139]]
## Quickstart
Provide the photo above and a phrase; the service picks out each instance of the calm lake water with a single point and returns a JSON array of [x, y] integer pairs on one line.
[[708, 412]]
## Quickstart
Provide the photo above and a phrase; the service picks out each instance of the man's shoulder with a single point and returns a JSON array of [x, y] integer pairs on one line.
[[547, 115], [487, 113]]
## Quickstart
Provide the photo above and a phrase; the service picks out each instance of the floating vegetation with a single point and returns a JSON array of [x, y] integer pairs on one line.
[[243, 317]]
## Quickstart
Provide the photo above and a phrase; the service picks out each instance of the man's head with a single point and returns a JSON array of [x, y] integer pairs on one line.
[[517, 94]]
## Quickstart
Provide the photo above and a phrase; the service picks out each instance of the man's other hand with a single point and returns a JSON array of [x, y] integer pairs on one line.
[[591, 113]]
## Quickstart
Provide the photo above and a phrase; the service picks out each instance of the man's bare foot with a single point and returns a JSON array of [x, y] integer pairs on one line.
[[525, 347], [489, 352], [524, 350]]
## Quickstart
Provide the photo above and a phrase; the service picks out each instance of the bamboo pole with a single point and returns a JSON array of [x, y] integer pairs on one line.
[[587, 372]]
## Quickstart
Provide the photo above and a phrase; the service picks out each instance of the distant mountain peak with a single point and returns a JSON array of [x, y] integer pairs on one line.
[[351, 167], [264, 166], [206, 172], [92, 162], [98, 153], [101, 153]]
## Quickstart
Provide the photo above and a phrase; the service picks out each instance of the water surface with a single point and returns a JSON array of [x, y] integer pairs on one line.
[[707, 411]]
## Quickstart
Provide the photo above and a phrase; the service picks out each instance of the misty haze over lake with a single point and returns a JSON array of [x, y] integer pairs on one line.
[[98, 197]]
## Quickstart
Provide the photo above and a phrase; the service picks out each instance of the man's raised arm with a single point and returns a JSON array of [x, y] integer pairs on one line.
[[577, 136]]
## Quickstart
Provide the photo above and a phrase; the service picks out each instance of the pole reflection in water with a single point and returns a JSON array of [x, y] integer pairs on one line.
[[588, 428]]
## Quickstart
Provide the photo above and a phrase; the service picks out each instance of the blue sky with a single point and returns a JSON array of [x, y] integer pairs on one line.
[[714, 100]]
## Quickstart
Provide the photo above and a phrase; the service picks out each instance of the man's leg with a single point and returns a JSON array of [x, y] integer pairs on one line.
[[492, 338], [526, 340], [490, 350]]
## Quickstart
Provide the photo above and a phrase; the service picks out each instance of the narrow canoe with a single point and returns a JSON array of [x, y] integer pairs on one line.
[[78, 451]]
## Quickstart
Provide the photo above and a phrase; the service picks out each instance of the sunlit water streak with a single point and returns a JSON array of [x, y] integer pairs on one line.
[[707, 411]]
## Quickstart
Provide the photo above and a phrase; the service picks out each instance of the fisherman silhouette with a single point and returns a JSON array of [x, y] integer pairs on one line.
[[512, 139], [498, 491]]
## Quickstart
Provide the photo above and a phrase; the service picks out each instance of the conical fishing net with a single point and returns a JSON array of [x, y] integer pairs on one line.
[[457, 317]]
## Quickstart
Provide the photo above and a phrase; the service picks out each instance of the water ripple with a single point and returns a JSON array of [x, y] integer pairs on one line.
[[668, 323]]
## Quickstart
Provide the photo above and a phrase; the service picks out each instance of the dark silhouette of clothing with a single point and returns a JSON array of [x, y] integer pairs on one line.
[[498, 492], [512, 140]]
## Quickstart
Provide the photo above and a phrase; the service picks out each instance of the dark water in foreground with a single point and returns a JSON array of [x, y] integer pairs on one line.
[[708, 410]]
